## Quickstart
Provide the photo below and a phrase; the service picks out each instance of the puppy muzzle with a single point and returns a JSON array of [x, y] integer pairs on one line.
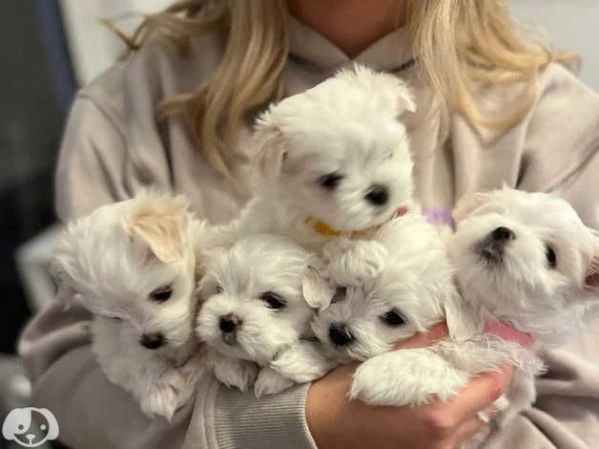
[[228, 325], [492, 247]]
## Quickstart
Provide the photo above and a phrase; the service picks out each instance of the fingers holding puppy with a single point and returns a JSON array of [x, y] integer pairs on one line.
[[337, 421]]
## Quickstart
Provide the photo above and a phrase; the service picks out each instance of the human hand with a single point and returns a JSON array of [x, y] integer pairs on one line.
[[337, 422]]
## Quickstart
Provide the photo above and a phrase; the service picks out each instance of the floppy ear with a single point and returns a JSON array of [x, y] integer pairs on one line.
[[467, 204], [405, 98], [592, 277], [398, 89], [66, 289], [393, 87], [159, 223], [269, 149], [316, 287], [460, 325]]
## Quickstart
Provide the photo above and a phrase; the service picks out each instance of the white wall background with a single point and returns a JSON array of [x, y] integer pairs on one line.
[[571, 25], [93, 47]]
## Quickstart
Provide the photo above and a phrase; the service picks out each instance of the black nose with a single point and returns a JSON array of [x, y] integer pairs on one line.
[[152, 341], [228, 323], [378, 195], [340, 335], [503, 234]]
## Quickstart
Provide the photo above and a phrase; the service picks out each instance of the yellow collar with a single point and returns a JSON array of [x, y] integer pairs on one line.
[[320, 227]]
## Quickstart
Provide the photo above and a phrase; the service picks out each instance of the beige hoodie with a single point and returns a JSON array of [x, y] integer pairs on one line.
[[113, 148]]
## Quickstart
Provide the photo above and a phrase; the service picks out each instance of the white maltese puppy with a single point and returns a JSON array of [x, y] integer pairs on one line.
[[257, 303], [132, 265], [528, 269], [334, 165], [412, 293]]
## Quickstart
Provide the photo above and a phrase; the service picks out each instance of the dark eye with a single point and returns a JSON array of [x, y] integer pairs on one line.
[[115, 318], [218, 288], [551, 257], [272, 300], [330, 181], [393, 318], [162, 294]]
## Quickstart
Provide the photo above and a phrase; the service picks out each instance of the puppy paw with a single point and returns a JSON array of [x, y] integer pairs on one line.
[[235, 373], [353, 262], [406, 377], [302, 362], [270, 382], [166, 395]]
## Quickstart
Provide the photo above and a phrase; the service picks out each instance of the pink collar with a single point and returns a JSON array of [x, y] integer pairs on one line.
[[508, 333]]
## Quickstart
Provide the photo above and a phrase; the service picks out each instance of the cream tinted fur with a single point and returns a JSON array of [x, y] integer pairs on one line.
[[262, 287], [345, 127], [111, 262]]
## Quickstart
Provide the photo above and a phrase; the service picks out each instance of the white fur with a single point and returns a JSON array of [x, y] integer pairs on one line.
[[514, 282], [417, 283], [111, 261], [348, 125], [236, 286]]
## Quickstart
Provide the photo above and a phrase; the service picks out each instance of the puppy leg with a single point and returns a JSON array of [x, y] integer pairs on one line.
[[302, 362], [271, 382], [190, 372], [163, 391], [152, 381], [406, 377], [240, 374], [353, 262], [521, 394]]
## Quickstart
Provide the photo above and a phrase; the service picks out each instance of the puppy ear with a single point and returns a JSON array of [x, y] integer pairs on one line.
[[316, 287], [389, 85], [592, 276], [467, 204], [269, 149], [460, 325], [400, 91], [159, 223], [59, 270], [405, 99]]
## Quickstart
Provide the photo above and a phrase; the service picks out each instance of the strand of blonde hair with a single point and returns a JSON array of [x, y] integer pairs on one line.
[[459, 45]]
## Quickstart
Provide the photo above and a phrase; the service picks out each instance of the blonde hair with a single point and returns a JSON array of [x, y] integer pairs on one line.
[[458, 44]]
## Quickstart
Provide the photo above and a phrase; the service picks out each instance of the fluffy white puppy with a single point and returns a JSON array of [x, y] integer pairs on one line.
[[256, 312], [412, 293], [334, 165], [527, 268], [132, 265]]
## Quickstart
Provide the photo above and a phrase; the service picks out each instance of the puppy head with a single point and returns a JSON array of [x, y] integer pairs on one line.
[[337, 152], [365, 321], [521, 254], [407, 297], [132, 261], [256, 297]]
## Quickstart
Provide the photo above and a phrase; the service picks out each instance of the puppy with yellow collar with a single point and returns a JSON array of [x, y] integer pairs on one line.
[[333, 167]]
